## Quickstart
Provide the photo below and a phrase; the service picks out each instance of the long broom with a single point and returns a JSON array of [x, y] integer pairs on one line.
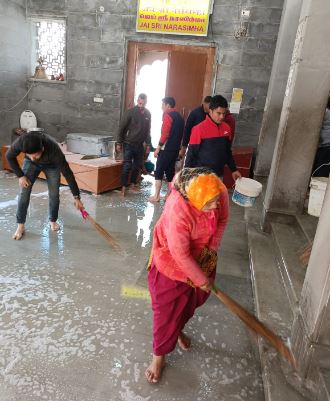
[[100, 229], [254, 324], [249, 319]]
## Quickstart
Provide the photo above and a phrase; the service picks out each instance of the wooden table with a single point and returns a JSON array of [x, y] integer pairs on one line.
[[104, 174], [94, 175]]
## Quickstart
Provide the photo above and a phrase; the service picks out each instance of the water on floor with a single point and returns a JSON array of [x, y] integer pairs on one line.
[[75, 317]]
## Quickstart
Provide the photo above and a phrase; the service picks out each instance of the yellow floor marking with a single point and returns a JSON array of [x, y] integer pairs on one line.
[[135, 292]]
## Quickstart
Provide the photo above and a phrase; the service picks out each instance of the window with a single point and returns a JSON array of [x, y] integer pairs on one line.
[[49, 46]]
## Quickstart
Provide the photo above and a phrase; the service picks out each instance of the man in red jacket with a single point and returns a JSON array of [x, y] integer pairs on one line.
[[198, 115], [210, 141], [168, 148]]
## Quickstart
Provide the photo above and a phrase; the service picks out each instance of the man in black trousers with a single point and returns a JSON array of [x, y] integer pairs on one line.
[[134, 131]]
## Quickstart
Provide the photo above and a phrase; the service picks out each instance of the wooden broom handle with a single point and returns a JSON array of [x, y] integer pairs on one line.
[[254, 324]]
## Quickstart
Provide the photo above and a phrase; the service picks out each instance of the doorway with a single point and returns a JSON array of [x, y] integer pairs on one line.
[[159, 70], [151, 78]]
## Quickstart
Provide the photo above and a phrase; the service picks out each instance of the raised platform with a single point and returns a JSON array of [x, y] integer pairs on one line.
[[94, 175], [277, 280]]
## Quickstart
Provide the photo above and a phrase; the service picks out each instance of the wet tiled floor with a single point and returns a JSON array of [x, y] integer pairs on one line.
[[75, 318]]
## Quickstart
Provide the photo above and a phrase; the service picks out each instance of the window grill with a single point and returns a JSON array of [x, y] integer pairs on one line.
[[51, 45]]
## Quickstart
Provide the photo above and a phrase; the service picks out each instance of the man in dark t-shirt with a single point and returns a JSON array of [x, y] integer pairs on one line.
[[42, 154]]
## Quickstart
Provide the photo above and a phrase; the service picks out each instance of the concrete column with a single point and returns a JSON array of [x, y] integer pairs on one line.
[[311, 329], [278, 80], [306, 94]]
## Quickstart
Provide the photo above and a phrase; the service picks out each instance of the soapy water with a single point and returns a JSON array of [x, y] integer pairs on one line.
[[13, 202], [67, 333]]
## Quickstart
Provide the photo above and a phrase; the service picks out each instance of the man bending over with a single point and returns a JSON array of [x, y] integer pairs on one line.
[[42, 153]]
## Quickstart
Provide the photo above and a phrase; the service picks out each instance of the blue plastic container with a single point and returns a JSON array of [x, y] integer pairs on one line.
[[246, 191]]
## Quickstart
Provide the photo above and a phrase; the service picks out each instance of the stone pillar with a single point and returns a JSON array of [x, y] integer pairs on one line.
[[278, 80], [306, 94], [311, 329]]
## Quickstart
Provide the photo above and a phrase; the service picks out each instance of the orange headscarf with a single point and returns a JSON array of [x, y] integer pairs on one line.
[[199, 185]]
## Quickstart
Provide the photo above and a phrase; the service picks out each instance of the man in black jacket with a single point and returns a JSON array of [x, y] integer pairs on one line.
[[134, 130], [42, 153], [195, 117]]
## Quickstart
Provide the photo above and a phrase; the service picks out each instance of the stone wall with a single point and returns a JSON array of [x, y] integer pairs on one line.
[[13, 65], [96, 62]]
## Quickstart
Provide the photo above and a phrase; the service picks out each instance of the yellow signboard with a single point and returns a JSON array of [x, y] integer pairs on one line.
[[180, 17], [236, 100]]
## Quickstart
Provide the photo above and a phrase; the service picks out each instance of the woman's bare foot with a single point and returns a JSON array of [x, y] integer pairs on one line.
[[154, 371], [184, 342], [19, 232], [54, 226], [154, 198]]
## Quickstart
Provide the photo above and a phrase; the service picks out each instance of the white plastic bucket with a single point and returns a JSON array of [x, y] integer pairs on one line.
[[316, 197], [246, 191]]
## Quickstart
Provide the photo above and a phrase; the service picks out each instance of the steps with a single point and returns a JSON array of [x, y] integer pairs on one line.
[[266, 284], [308, 225], [323, 385], [277, 279], [289, 240], [273, 309]]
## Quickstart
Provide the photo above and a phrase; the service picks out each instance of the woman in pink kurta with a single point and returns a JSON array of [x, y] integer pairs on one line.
[[185, 243]]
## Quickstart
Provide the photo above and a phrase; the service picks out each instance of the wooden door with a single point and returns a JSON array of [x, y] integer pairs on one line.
[[185, 79], [189, 76]]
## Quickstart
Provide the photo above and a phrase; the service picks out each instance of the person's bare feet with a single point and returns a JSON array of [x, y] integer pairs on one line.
[[154, 370], [134, 187], [19, 232], [154, 198], [54, 226], [184, 342], [123, 191]]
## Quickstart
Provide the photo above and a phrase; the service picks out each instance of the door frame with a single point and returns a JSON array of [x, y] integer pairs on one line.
[[134, 46]]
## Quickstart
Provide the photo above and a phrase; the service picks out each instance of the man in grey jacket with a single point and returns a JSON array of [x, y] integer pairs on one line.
[[134, 130]]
